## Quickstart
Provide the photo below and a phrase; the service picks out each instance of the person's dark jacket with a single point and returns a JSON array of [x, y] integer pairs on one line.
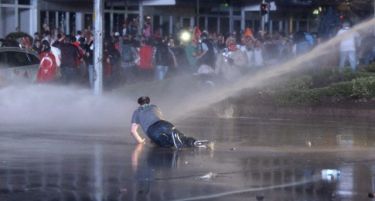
[[89, 53], [209, 57], [69, 55], [163, 57]]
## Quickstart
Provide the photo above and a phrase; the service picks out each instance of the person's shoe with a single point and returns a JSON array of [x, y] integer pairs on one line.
[[176, 140], [203, 144]]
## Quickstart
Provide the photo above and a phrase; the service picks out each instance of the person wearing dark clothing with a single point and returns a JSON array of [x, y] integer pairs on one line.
[[206, 53], [111, 58], [161, 132], [89, 59], [164, 59], [128, 56], [69, 57], [145, 65]]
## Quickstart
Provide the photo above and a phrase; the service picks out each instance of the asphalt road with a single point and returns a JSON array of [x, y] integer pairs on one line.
[[253, 159]]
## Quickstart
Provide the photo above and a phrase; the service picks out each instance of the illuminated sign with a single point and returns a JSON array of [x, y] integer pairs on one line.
[[159, 2]]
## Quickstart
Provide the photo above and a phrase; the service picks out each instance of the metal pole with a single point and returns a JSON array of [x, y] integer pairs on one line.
[[243, 18], [140, 28], [263, 18], [17, 16], [230, 19], [98, 46], [34, 17]]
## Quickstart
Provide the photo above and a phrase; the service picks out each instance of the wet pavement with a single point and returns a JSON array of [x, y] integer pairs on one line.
[[253, 159]]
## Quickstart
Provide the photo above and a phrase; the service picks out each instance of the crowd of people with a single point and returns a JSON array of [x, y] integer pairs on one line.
[[130, 57]]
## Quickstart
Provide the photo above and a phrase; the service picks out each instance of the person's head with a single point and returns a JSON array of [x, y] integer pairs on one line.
[[72, 39], [231, 43], [46, 46], [143, 100]]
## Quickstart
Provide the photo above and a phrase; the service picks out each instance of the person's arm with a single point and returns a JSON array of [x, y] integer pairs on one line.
[[135, 156], [204, 50], [135, 134]]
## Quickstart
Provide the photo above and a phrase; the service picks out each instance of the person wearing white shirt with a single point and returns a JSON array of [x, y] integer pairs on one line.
[[348, 46]]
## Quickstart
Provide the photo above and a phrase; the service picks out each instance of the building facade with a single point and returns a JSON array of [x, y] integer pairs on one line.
[[69, 16]]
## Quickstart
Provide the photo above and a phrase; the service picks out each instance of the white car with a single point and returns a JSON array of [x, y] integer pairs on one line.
[[18, 65]]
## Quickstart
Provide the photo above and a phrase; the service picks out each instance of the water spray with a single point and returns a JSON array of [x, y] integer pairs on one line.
[[198, 102]]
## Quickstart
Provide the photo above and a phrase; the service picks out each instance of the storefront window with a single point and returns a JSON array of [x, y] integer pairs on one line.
[[24, 25], [88, 21], [24, 2], [7, 21], [8, 1]]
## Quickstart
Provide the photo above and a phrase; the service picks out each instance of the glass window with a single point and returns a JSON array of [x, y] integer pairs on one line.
[[249, 23], [156, 20], [275, 25], [7, 20], [118, 8], [107, 24], [88, 21], [212, 24], [202, 23], [7, 1], [24, 13], [118, 20], [237, 26], [133, 8], [72, 23], [107, 5], [24, 2], [224, 26], [186, 23], [257, 26], [51, 21]]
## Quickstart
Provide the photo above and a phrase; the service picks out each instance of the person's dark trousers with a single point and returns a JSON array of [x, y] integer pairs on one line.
[[69, 74], [161, 134]]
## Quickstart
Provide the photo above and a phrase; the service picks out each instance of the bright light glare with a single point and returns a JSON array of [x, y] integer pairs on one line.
[[185, 36]]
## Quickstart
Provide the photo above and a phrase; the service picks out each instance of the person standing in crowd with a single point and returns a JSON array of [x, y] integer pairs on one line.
[[47, 71], [89, 58], [231, 62], [145, 64], [161, 132], [69, 56], [247, 47], [206, 53], [348, 46], [111, 58], [78, 35], [164, 59], [190, 50], [79, 61], [128, 56], [258, 54], [301, 45], [37, 46]]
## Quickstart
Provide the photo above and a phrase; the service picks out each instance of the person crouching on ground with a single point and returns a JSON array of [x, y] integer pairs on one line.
[[160, 131]]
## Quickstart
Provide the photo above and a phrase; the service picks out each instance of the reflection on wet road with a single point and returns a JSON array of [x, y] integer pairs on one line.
[[253, 159]]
